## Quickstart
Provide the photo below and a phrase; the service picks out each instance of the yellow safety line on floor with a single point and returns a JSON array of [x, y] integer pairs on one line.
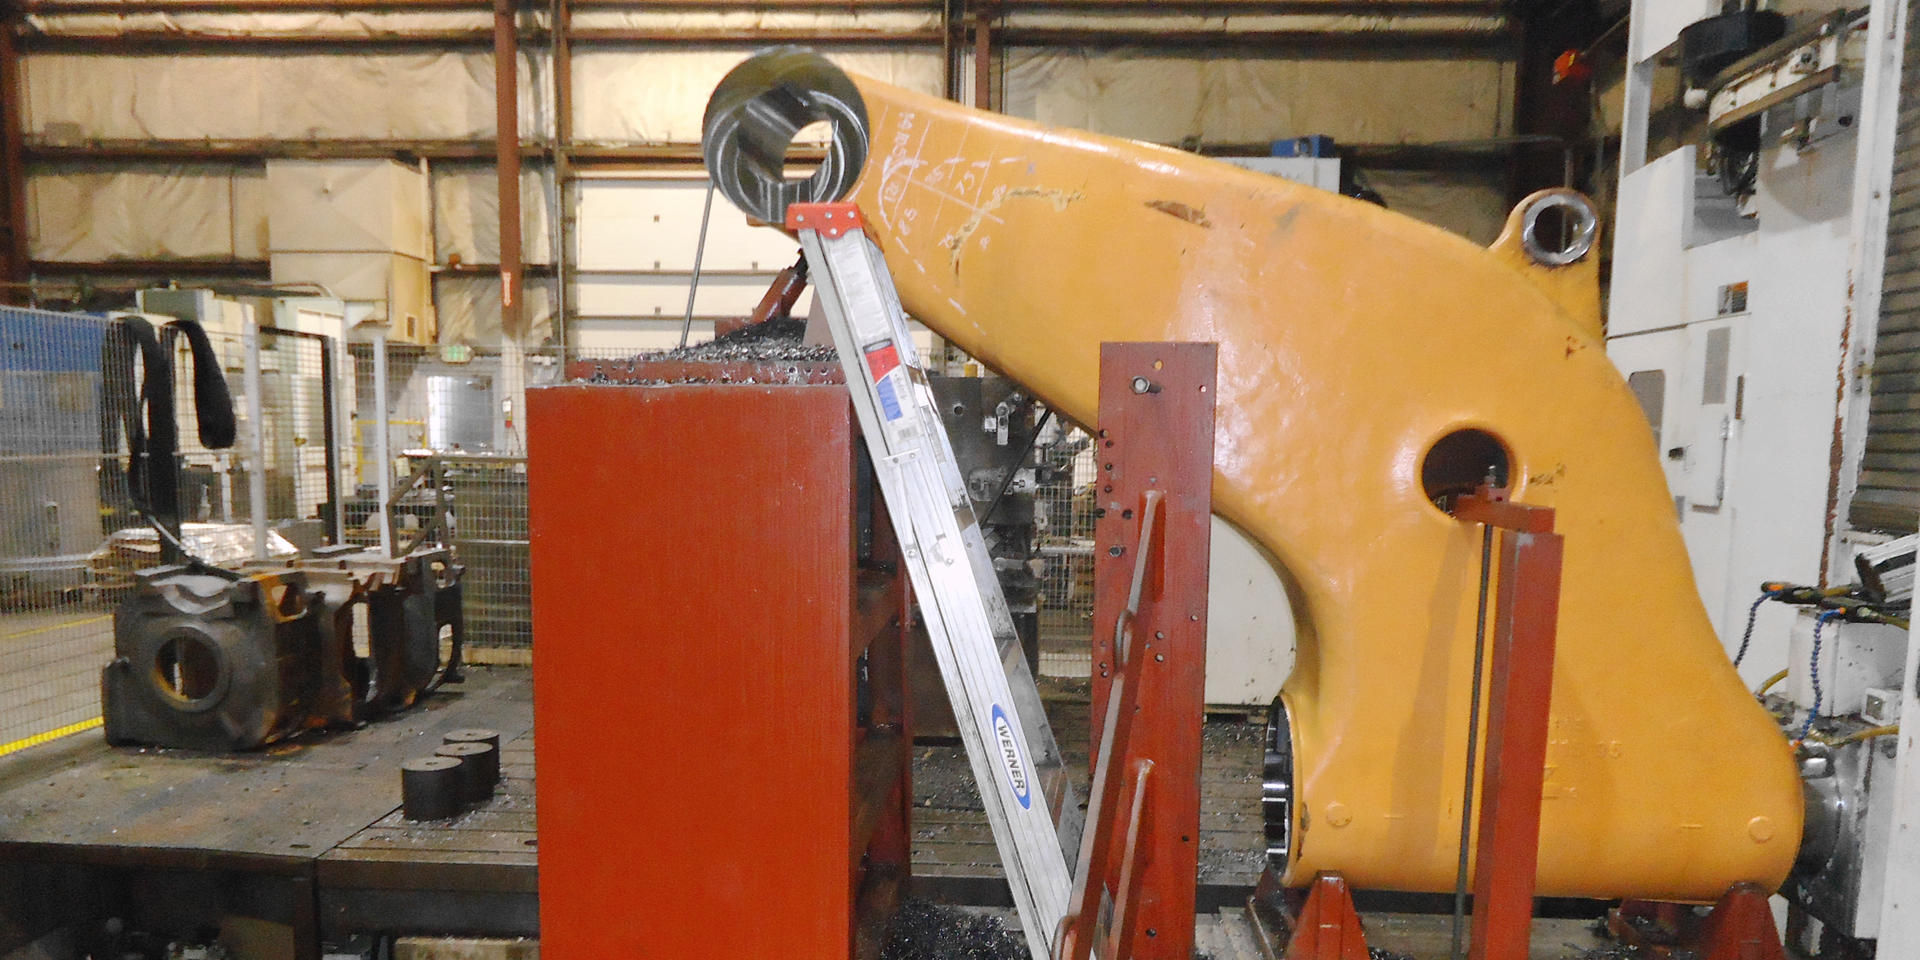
[[49, 736], [57, 626]]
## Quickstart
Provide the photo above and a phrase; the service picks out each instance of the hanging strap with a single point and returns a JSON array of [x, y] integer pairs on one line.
[[142, 421]]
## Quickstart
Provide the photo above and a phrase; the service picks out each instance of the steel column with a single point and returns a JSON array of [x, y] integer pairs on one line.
[[563, 185], [506, 92], [383, 479], [982, 61], [14, 255], [1154, 447], [250, 346]]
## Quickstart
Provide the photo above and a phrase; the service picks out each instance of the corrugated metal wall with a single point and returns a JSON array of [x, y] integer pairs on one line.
[[1888, 497]]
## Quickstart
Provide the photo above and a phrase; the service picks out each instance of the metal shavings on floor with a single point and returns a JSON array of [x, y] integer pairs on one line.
[[925, 931]]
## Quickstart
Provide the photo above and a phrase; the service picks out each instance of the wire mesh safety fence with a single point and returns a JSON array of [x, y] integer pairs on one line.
[[1064, 511], [55, 513]]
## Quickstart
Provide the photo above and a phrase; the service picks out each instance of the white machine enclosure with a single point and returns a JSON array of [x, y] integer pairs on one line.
[[1745, 321], [1855, 658]]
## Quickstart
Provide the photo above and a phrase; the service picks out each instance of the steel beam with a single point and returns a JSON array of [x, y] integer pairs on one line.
[[561, 242], [983, 62], [13, 190], [506, 97]]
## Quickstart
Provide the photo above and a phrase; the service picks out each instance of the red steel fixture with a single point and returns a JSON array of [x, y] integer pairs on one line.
[[1154, 447], [704, 581]]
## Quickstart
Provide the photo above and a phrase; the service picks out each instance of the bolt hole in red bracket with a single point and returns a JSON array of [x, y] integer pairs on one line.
[[1135, 882]]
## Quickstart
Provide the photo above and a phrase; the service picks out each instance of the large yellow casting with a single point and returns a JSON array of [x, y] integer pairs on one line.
[[1351, 339]]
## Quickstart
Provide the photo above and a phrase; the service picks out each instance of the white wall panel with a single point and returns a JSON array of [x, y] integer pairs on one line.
[[651, 224]]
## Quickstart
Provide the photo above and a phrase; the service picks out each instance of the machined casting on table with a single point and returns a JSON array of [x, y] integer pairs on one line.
[[1351, 341]]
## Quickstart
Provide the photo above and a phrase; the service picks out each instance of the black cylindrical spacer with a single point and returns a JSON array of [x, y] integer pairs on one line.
[[480, 768], [474, 735], [432, 788]]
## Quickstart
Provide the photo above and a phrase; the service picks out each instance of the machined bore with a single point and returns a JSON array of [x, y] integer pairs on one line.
[[751, 121]]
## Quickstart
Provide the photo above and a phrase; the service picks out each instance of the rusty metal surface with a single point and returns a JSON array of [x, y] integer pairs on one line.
[[702, 594]]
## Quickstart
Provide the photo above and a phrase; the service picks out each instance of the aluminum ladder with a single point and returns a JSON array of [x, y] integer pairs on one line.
[[1016, 762]]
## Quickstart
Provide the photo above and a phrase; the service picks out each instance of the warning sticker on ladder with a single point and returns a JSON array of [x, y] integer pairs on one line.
[[883, 358]]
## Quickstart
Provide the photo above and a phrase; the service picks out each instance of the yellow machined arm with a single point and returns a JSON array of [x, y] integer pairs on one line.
[[1352, 341]]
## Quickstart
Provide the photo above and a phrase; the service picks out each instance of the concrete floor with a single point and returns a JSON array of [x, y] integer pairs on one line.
[[52, 678]]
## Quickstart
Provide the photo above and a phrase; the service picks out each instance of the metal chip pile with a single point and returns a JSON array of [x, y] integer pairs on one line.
[[780, 339], [924, 931]]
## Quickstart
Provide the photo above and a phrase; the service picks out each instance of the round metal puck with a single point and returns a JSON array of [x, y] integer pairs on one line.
[[474, 735], [480, 768], [432, 788]]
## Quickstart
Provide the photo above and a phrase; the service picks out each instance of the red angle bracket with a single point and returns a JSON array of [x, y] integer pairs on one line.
[[1154, 506], [830, 219]]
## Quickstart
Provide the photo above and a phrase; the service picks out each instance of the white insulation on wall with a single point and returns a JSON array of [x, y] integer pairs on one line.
[[148, 213], [74, 98], [659, 96], [1241, 97]]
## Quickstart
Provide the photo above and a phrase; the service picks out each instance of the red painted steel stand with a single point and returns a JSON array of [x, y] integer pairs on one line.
[[1154, 446], [1739, 928], [1520, 689], [1328, 928]]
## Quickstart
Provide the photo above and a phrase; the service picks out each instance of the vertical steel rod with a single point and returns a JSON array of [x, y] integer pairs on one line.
[[699, 253], [330, 429], [1461, 880], [383, 458], [256, 437]]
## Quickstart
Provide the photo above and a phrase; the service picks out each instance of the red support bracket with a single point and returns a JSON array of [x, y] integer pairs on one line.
[[1140, 851], [1519, 697], [830, 219], [1739, 928], [1328, 927]]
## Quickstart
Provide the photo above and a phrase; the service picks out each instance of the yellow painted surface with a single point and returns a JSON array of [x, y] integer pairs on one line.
[[1350, 339]]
